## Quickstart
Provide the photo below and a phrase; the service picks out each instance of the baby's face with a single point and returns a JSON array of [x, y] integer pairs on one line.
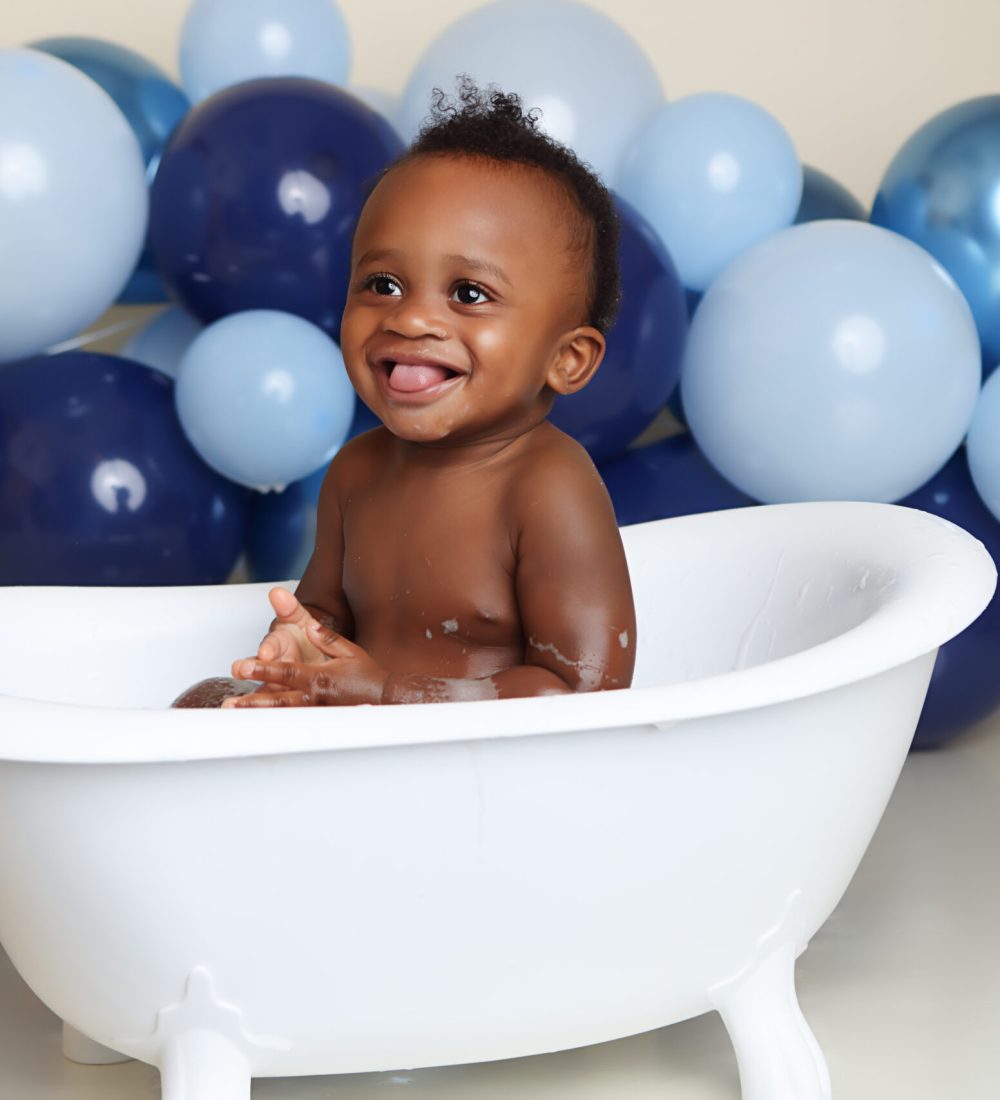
[[463, 290]]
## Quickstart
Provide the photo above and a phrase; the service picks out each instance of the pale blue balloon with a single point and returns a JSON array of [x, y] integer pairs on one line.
[[73, 201], [264, 398], [587, 75], [982, 446], [225, 42], [713, 174], [163, 342], [833, 361]]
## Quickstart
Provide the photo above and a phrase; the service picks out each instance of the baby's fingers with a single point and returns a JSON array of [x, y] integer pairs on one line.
[[266, 699], [283, 673]]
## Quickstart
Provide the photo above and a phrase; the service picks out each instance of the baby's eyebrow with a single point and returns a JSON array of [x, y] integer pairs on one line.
[[473, 264]]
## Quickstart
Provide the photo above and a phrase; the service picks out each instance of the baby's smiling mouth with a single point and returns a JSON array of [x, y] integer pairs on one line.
[[412, 375]]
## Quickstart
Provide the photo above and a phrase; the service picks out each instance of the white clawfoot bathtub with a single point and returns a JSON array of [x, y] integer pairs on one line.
[[231, 894]]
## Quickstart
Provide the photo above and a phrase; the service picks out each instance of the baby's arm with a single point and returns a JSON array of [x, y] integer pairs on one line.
[[319, 595], [573, 593]]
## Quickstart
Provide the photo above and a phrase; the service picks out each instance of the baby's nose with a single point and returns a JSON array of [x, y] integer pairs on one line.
[[415, 317]]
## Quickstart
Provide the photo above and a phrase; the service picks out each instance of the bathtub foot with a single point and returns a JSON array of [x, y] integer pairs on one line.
[[203, 1065], [78, 1047], [778, 1055]]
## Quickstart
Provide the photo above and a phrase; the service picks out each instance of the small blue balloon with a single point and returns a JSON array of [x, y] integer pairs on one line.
[[164, 341], [941, 191], [644, 348], [591, 81], [224, 42], [833, 361], [281, 531], [823, 197], [982, 445], [264, 398], [151, 103], [257, 195], [98, 485], [964, 686], [713, 174], [666, 479]]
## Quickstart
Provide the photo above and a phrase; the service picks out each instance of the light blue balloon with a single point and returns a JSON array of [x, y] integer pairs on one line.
[[163, 342], [713, 174], [225, 42], [982, 447], [833, 361], [73, 202], [264, 398], [587, 75]]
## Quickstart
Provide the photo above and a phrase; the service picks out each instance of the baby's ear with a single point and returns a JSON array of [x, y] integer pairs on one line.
[[580, 353]]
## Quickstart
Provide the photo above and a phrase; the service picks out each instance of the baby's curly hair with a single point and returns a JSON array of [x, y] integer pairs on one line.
[[490, 123]]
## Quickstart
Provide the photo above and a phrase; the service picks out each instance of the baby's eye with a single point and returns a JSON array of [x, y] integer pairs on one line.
[[384, 285], [470, 294]]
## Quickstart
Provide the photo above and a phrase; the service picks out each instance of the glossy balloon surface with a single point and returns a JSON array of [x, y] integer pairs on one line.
[[644, 348], [713, 174], [152, 104], [823, 198], [591, 81], [941, 191], [835, 360], [98, 484], [73, 202], [281, 531], [982, 445], [224, 42], [257, 195], [264, 398]]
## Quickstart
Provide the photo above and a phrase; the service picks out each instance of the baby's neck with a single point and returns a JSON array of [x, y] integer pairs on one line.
[[460, 455]]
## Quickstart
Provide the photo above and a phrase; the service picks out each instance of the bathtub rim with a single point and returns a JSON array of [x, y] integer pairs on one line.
[[899, 630]]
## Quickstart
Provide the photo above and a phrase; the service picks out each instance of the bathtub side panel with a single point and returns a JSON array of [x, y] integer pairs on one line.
[[437, 904]]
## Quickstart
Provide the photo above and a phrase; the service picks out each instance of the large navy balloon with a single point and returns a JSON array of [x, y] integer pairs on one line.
[[643, 358], [666, 479], [941, 191], [98, 484], [257, 195], [965, 686], [151, 103], [823, 197]]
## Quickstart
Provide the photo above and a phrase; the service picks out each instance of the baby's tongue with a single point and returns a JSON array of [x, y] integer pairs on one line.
[[410, 377]]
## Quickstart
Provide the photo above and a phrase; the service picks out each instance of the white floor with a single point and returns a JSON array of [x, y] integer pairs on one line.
[[902, 985]]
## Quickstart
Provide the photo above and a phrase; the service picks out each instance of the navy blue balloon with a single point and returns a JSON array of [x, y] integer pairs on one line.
[[941, 191], [152, 104], [823, 197], [281, 530], [666, 479], [257, 195], [645, 346], [98, 484], [965, 686]]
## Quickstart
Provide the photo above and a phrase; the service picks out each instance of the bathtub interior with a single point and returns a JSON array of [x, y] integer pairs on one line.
[[713, 593]]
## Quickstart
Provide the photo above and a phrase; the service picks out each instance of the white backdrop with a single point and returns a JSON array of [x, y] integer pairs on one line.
[[850, 80]]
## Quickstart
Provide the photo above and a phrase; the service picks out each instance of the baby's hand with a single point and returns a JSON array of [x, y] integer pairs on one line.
[[287, 639], [344, 675]]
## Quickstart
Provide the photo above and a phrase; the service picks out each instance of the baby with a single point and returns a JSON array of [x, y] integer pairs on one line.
[[467, 549]]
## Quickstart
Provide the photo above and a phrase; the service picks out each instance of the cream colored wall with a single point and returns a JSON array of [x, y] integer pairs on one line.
[[850, 80]]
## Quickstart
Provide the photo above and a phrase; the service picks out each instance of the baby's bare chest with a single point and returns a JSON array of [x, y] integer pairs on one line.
[[422, 567]]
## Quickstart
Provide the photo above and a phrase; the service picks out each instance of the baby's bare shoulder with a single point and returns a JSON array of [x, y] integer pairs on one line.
[[555, 478], [357, 461]]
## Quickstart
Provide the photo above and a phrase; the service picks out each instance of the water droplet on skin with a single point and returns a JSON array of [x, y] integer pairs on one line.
[[428, 633], [623, 639], [450, 626]]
